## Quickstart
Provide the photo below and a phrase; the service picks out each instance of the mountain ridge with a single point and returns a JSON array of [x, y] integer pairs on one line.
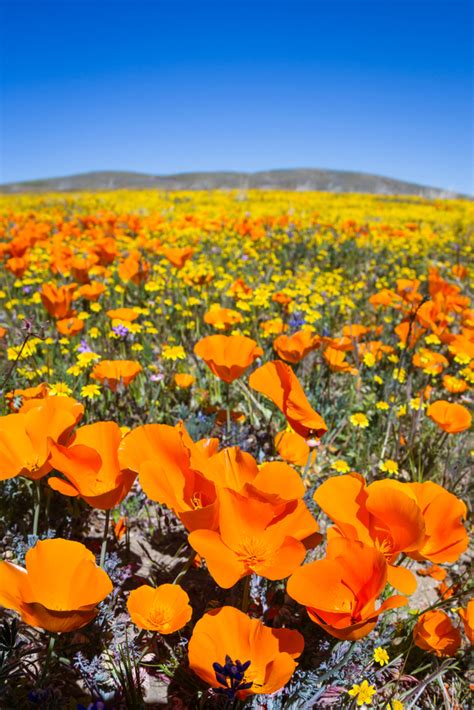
[[298, 179]]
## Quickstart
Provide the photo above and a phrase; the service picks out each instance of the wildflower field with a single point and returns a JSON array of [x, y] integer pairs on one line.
[[235, 450]]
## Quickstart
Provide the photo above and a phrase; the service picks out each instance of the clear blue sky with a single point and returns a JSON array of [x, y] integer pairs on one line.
[[381, 86]]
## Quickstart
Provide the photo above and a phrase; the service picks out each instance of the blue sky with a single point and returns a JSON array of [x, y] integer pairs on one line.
[[381, 86]]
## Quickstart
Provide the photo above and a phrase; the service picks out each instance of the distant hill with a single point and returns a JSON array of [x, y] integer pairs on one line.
[[291, 179]]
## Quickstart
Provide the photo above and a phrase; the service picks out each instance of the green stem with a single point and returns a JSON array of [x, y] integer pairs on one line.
[[246, 594], [103, 549], [187, 566], [49, 653], [37, 506]]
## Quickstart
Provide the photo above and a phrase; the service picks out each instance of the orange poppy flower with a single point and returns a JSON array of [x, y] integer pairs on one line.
[[17, 397], [58, 299], [384, 514], [293, 348], [228, 356], [431, 362], [113, 373], [355, 331], [336, 359], [17, 265], [134, 269], [184, 380], [434, 632], [446, 537], [92, 291], [69, 326], [467, 618], [26, 436], [277, 381], [3, 332], [60, 588], [293, 448], [91, 467], [409, 329], [164, 609], [247, 542], [239, 656], [81, 265], [344, 344], [178, 256], [340, 591], [451, 418], [222, 318], [127, 315], [120, 528], [454, 385], [169, 465]]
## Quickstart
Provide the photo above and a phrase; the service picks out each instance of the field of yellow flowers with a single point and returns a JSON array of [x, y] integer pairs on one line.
[[235, 451]]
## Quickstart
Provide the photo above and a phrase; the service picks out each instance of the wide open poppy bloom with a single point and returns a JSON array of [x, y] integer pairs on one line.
[[446, 537], [178, 256], [58, 299], [60, 588], [116, 372], [293, 348], [451, 417], [434, 632], [222, 318], [26, 436], [340, 591], [384, 514], [254, 536], [170, 465], [228, 356], [91, 467], [277, 381], [165, 609], [239, 656]]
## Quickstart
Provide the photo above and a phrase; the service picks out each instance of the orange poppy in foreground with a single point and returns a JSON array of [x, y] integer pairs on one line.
[[165, 609], [434, 632], [293, 448], [169, 465], [60, 588], [254, 537], [443, 513], [91, 467], [384, 514], [116, 372], [340, 591], [451, 418], [277, 381], [228, 356], [239, 656], [26, 437], [293, 348]]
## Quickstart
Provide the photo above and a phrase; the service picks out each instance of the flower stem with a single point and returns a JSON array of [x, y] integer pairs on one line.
[[36, 506], [187, 566], [103, 549], [246, 594], [49, 653]]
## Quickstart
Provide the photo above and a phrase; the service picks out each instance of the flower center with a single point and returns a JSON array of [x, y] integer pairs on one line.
[[253, 552]]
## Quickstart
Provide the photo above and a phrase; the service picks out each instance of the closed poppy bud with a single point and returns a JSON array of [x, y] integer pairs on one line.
[[238, 656], [60, 588], [293, 448], [228, 356], [434, 632], [165, 609], [451, 417], [120, 528]]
